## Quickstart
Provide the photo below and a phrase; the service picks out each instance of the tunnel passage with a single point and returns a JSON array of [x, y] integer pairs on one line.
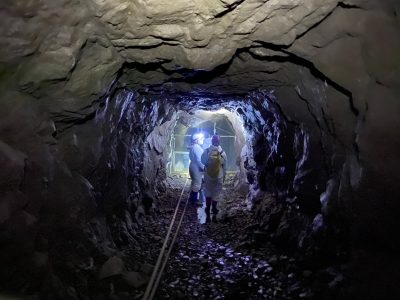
[[124, 149], [118, 156], [290, 218], [91, 92], [207, 123]]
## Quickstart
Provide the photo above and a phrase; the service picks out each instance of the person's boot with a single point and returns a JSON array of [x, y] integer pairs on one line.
[[193, 197], [214, 207], [208, 206]]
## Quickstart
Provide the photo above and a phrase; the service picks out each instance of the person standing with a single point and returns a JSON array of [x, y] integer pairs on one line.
[[214, 160], [196, 167]]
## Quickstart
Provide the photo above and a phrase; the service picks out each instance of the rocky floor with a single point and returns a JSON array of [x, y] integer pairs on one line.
[[226, 257], [223, 259]]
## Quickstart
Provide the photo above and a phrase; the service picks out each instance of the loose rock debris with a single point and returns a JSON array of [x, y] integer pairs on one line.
[[227, 257], [218, 260]]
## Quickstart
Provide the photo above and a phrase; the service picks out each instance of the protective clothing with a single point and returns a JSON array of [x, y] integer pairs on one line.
[[196, 168], [213, 186]]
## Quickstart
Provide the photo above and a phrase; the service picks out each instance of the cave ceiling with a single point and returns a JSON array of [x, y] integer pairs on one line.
[[68, 52]]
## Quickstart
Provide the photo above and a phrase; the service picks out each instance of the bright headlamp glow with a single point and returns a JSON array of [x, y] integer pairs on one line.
[[198, 136]]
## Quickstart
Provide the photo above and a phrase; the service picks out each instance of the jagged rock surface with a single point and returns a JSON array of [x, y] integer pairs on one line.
[[77, 170]]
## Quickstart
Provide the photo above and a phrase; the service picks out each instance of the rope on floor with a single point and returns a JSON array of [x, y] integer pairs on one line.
[[157, 272]]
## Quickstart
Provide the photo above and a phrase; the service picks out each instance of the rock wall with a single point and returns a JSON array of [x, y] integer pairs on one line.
[[333, 66], [293, 162], [71, 199]]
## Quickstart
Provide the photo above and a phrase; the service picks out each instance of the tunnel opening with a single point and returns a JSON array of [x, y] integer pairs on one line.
[[206, 123]]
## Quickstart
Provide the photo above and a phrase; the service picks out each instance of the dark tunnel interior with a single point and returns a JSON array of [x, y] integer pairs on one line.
[[100, 101]]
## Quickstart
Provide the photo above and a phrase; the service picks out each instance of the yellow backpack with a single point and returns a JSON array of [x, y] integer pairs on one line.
[[214, 162]]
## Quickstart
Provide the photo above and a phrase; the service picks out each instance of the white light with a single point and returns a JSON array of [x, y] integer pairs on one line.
[[223, 111], [207, 114], [198, 136]]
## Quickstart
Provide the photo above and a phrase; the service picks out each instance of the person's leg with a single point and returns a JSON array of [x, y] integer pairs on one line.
[[201, 197], [195, 186], [217, 192], [192, 184], [208, 205], [214, 207], [193, 196]]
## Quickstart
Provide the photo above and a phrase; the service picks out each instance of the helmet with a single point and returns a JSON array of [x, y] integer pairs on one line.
[[197, 136], [216, 139]]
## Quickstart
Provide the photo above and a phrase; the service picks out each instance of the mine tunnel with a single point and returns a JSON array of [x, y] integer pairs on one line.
[[100, 101]]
